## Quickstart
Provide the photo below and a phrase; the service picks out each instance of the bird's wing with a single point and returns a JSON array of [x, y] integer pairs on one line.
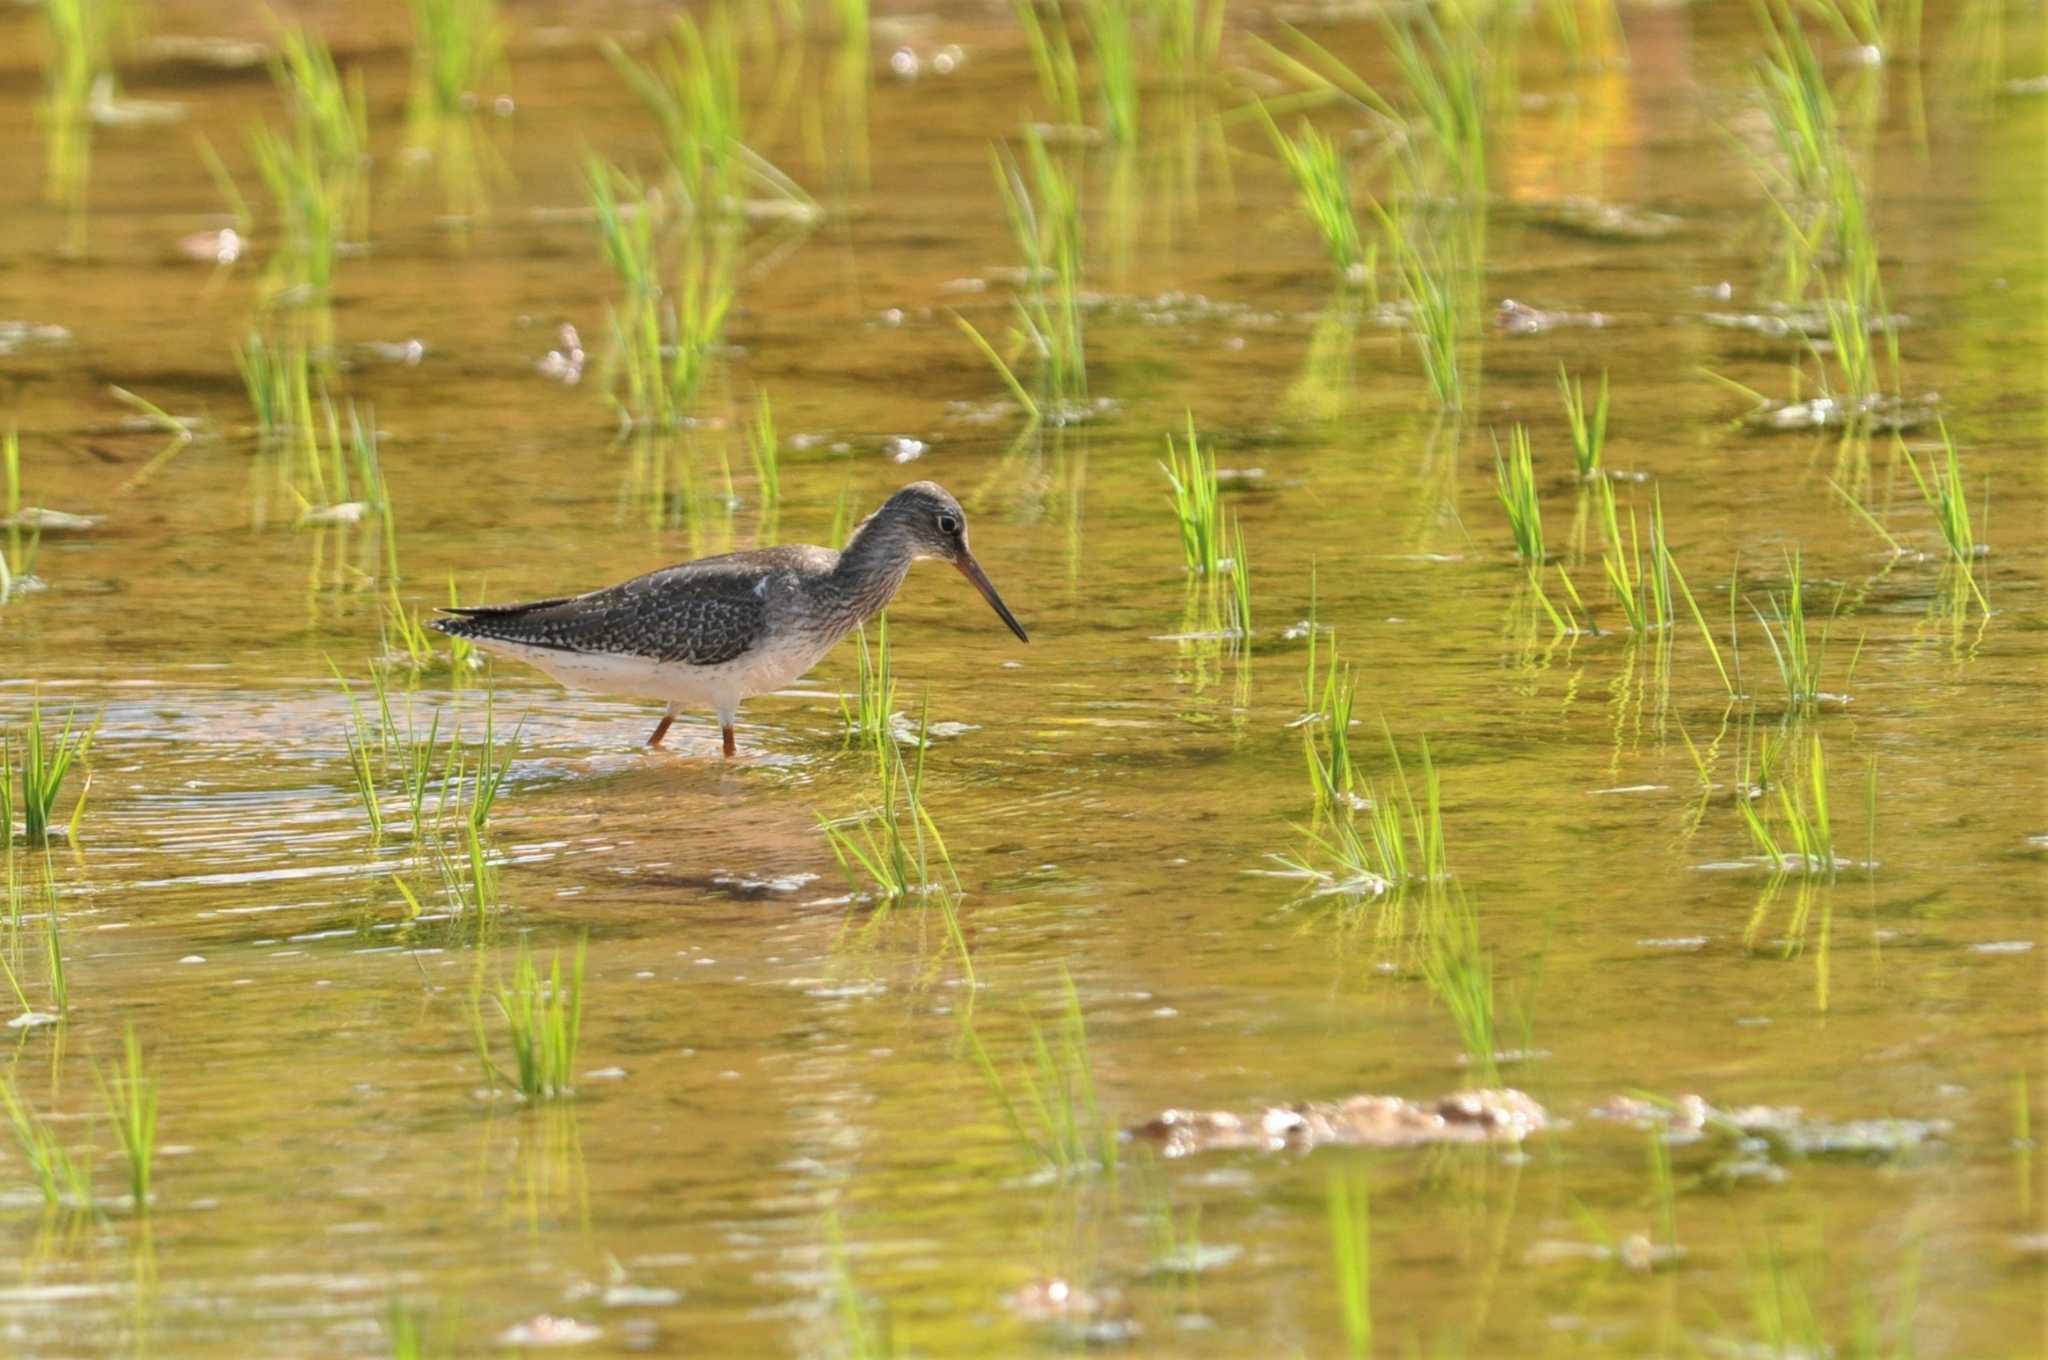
[[701, 613]]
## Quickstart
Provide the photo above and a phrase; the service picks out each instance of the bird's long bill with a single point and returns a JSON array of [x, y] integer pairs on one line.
[[971, 569]]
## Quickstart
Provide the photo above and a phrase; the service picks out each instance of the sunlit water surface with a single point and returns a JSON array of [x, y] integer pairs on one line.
[[778, 1109]]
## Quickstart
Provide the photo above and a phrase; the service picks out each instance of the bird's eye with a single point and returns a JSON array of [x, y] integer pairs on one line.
[[948, 525]]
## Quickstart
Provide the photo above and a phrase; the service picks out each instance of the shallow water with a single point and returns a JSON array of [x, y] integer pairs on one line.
[[777, 1103]]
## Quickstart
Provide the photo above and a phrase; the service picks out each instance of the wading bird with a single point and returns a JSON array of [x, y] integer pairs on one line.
[[710, 633]]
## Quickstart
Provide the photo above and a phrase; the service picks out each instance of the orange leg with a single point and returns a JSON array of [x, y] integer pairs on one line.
[[731, 746], [661, 729]]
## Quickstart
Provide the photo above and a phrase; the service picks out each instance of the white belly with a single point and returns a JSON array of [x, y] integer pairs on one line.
[[676, 683]]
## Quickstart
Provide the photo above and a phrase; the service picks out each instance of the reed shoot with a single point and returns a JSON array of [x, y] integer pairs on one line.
[[1589, 433], [1382, 838], [1052, 57], [1941, 487], [1044, 214], [457, 46], [278, 380], [1799, 663], [16, 559], [63, 1177], [1350, 1214], [1460, 975], [765, 452], [1323, 180], [1197, 503], [1800, 838], [543, 1020], [1115, 41], [1240, 586], [893, 849], [1055, 1113], [45, 765], [867, 717], [313, 170], [1326, 739], [1515, 484], [130, 1099]]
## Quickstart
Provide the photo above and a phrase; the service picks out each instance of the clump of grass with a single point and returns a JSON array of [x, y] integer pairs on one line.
[[1375, 839], [1589, 433], [543, 1021], [131, 1105], [1799, 663], [1820, 205], [1460, 975], [866, 717], [1044, 214], [1197, 503], [1326, 736], [457, 46], [1941, 487], [1803, 840], [1427, 273], [1114, 39], [1349, 1210], [493, 764], [892, 849], [46, 762], [1515, 484], [278, 378], [78, 71], [1052, 57], [1055, 1113], [63, 1177], [1323, 181], [314, 169], [692, 87], [662, 339]]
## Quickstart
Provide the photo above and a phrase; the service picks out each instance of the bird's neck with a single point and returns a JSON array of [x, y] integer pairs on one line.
[[872, 566]]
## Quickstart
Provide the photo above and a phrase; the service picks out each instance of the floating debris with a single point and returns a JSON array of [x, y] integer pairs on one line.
[[406, 353], [1479, 1116], [222, 54], [1604, 221], [1782, 1128], [1634, 1252], [1805, 323], [1518, 318], [564, 364], [348, 512], [902, 448], [547, 1330], [17, 336], [29, 1020], [1091, 1316], [110, 110], [212, 247], [1877, 412], [45, 521]]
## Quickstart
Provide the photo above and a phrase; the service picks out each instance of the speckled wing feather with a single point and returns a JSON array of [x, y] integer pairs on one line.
[[702, 613]]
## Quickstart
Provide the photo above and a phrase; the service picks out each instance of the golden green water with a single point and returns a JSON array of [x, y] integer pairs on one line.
[[777, 1108]]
